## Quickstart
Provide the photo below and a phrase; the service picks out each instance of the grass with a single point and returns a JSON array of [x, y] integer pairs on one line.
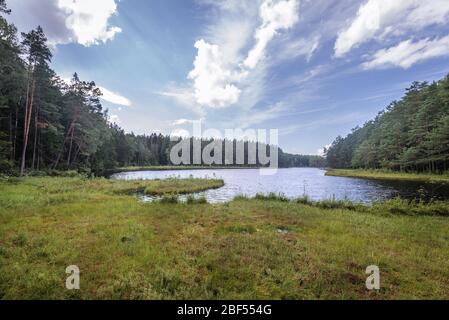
[[265, 248], [390, 175], [181, 186]]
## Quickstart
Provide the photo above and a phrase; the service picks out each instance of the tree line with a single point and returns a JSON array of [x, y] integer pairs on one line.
[[48, 124], [411, 134]]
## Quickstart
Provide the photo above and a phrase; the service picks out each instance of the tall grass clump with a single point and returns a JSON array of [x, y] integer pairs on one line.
[[272, 197], [191, 199], [412, 207], [169, 199]]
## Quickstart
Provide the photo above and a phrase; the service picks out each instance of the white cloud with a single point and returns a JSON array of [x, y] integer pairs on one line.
[[408, 53], [377, 19], [113, 118], [184, 97], [89, 20], [181, 122], [213, 79], [64, 21], [306, 47], [351, 118], [114, 98], [321, 151], [255, 117], [180, 133], [218, 68], [276, 16], [107, 95]]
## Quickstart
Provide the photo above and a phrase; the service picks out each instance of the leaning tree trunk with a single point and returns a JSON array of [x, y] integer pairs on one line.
[[16, 124], [27, 123], [69, 134], [11, 148], [36, 121], [70, 147]]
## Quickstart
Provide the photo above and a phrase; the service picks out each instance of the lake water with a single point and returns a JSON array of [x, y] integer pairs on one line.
[[296, 182]]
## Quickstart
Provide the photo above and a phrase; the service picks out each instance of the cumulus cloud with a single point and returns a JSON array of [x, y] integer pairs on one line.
[[215, 77], [114, 98], [408, 53], [377, 19], [82, 21], [89, 20]]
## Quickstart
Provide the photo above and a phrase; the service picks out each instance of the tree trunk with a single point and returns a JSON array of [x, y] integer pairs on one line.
[[76, 153], [39, 151], [11, 148], [69, 132], [16, 124], [36, 121], [27, 123], [69, 135], [70, 148]]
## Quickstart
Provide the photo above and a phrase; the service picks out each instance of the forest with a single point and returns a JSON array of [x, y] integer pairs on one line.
[[47, 124], [410, 135]]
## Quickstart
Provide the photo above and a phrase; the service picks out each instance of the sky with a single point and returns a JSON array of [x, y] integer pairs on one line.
[[313, 69]]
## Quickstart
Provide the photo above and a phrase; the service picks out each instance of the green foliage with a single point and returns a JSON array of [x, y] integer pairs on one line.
[[410, 135]]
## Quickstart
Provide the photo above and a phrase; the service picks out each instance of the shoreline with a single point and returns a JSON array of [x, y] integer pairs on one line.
[[183, 168], [390, 176]]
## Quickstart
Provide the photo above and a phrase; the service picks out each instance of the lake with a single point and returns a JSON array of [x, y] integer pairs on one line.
[[297, 182]]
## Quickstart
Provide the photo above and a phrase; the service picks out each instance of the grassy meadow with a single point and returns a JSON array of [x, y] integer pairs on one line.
[[389, 175], [262, 248]]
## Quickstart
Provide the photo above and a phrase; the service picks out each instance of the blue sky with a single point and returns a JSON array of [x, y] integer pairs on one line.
[[313, 69]]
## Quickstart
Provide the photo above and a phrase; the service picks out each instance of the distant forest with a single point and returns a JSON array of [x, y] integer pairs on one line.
[[409, 135], [47, 124]]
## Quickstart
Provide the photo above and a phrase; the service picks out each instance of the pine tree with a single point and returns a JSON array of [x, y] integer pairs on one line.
[[38, 57]]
